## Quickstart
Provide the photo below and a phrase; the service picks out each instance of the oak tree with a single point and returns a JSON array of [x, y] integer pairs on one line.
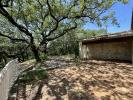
[[36, 22]]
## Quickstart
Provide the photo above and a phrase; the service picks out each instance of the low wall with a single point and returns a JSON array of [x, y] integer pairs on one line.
[[8, 75], [107, 50]]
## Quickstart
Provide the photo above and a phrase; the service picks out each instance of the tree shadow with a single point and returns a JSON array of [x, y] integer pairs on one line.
[[38, 93], [58, 90], [65, 89], [63, 86]]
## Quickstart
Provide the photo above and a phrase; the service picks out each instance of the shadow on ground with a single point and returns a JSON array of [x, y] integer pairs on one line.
[[87, 80]]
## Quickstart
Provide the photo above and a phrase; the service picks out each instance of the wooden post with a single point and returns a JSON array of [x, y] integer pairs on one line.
[[80, 50]]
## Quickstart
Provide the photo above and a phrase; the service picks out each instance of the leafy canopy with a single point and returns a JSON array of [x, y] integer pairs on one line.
[[37, 22], [48, 18]]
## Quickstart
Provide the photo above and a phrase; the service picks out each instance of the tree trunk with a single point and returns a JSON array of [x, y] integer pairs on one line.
[[45, 48], [36, 53]]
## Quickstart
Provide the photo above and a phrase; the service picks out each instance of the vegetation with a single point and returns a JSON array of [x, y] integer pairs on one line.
[[68, 44], [37, 22], [33, 29], [33, 75]]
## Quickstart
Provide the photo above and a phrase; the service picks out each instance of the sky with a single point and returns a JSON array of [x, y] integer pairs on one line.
[[123, 14]]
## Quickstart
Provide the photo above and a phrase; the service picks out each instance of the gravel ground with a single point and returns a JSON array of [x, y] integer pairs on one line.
[[84, 80]]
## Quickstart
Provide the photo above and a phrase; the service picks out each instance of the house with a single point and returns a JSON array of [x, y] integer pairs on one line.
[[117, 46]]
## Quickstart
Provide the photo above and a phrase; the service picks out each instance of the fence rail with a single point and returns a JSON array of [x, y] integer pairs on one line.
[[8, 76]]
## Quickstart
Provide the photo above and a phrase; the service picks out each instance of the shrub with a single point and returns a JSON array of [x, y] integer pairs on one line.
[[38, 74]]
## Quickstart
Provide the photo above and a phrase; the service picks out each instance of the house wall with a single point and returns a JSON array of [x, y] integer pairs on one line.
[[107, 51]]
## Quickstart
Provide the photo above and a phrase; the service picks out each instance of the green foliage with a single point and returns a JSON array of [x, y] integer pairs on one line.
[[43, 56], [40, 21], [33, 13], [10, 51], [90, 33], [38, 74], [68, 44], [2, 64]]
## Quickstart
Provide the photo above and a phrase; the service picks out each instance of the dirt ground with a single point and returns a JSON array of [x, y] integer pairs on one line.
[[83, 80]]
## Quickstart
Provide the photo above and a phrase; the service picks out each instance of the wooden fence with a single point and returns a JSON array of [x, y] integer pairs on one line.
[[8, 76]]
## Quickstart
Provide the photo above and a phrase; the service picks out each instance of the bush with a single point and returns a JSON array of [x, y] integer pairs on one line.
[[38, 74], [43, 56]]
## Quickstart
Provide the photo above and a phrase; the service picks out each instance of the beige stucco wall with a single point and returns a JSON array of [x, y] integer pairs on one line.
[[107, 50]]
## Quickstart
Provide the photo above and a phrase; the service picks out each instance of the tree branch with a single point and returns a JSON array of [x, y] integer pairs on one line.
[[6, 3], [14, 39], [56, 26], [12, 21], [62, 33]]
